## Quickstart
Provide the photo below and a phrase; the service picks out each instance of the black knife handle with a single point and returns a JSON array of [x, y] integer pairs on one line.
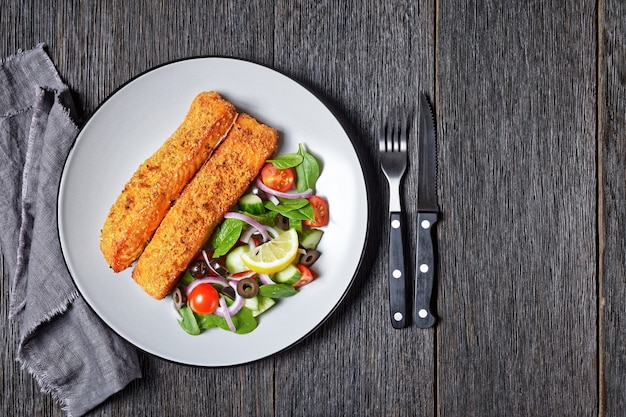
[[424, 270], [397, 276]]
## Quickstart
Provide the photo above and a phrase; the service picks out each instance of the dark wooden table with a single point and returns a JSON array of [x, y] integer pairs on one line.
[[530, 101]]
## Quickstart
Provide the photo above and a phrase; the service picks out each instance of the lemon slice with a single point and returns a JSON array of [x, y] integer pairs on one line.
[[274, 255]]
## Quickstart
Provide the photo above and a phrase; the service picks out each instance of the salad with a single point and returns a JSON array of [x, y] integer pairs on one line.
[[264, 250]]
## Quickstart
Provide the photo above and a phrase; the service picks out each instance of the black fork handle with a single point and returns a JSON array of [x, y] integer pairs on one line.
[[397, 276]]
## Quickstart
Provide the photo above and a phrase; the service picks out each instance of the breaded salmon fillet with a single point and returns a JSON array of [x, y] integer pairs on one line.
[[203, 204], [149, 193]]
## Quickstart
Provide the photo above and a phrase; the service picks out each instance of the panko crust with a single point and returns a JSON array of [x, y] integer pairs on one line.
[[157, 183], [202, 205]]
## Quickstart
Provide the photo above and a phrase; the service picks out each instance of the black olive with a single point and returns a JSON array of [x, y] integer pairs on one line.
[[309, 257], [219, 269], [198, 269], [179, 298], [281, 222], [248, 287]]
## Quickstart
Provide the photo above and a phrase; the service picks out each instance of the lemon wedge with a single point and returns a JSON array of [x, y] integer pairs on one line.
[[274, 255]]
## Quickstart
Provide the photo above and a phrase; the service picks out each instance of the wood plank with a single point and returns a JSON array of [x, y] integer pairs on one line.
[[369, 62], [612, 154], [516, 111]]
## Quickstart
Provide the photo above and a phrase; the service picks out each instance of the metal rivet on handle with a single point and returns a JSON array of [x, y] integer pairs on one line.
[[422, 313], [425, 224], [395, 224], [397, 316], [424, 268]]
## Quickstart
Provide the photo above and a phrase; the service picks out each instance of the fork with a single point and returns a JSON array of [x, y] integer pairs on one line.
[[392, 145]]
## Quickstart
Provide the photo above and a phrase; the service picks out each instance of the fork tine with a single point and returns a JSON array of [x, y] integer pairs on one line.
[[391, 134], [382, 139], [403, 133]]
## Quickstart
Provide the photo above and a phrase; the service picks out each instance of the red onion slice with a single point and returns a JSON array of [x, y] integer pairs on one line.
[[265, 279], [206, 280], [223, 312], [306, 194], [250, 221]]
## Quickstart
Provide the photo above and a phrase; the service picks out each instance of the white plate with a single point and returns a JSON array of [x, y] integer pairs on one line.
[[129, 126]]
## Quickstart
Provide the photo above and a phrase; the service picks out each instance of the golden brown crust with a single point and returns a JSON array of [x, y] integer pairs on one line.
[[202, 205], [149, 193]]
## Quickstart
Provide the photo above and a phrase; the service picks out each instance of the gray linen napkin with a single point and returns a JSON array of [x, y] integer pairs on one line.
[[68, 350]]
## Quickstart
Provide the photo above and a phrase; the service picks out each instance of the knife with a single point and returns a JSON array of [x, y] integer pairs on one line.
[[427, 215]]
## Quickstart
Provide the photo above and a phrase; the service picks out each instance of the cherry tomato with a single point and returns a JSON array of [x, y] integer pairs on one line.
[[307, 276], [278, 179], [320, 212], [204, 299]]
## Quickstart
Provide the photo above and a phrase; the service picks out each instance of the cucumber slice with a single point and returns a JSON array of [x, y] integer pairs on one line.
[[252, 303], [290, 275], [233, 261], [259, 304], [309, 239], [251, 203]]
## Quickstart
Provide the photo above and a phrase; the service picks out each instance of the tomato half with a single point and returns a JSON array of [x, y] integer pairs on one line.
[[320, 212], [307, 276], [278, 179], [203, 299]]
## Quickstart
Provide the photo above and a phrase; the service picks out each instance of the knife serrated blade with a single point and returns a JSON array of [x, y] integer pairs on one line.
[[427, 215]]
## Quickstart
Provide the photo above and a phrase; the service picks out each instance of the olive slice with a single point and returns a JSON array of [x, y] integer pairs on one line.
[[281, 222], [248, 287], [219, 269], [228, 292], [179, 298], [198, 269], [309, 257]]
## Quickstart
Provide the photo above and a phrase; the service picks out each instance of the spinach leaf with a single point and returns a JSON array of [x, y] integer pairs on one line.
[[186, 279], [277, 290], [244, 321], [307, 172], [188, 323], [289, 160], [226, 236], [266, 219], [209, 321], [286, 204], [293, 209]]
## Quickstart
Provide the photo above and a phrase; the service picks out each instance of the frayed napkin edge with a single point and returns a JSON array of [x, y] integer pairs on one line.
[[21, 53], [16, 308], [40, 375]]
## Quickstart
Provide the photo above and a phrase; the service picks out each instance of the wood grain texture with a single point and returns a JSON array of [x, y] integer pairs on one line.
[[530, 102], [612, 159], [516, 115]]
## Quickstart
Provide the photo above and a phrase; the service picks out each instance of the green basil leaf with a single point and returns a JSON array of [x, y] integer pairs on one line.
[[307, 172], [277, 290], [226, 236], [289, 160]]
